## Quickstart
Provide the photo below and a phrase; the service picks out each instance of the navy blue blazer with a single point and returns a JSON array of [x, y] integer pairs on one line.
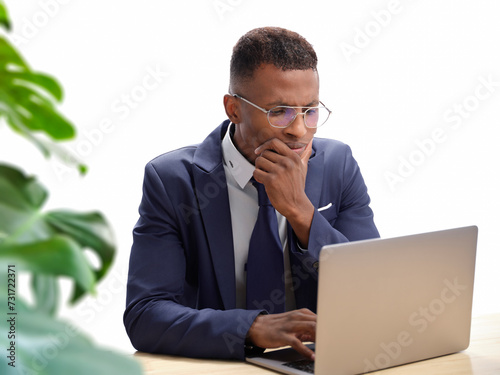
[[181, 292]]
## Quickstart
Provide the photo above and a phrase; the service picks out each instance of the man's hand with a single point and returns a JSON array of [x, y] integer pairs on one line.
[[283, 173], [289, 328]]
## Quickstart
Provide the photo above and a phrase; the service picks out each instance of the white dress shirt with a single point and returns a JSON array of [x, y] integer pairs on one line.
[[243, 203]]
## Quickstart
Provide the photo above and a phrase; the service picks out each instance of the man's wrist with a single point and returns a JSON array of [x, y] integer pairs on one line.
[[301, 222], [251, 349]]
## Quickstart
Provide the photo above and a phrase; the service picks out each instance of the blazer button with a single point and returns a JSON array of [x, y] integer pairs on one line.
[[316, 265]]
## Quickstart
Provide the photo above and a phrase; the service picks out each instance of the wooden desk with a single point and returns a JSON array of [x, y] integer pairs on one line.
[[481, 358]]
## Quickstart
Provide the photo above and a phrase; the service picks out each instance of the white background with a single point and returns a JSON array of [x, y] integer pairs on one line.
[[394, 73]]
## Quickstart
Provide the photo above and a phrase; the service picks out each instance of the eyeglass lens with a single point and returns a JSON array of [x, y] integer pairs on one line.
[[283, 116]]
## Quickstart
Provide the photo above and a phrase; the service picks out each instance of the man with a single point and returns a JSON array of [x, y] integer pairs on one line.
[[200, 282]]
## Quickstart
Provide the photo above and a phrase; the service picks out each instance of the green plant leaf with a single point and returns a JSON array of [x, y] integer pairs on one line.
[[10, 59], [46, 346], [23, 223], [4, 16], [23, 192], [91, 232], [46, 293], [38, 81], [49, 148], [58, 256], [27, 102], [27, 98]]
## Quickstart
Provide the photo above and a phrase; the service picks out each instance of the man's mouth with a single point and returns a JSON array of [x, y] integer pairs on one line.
[[297, 147]]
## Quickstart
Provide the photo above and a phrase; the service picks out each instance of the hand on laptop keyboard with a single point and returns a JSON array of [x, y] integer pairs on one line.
[[289, 328]]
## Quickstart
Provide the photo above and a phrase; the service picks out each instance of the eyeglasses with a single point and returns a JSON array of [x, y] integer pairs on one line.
[[281, 116]]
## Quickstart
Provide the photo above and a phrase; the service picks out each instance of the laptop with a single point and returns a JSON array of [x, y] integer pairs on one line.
[[388, 302]]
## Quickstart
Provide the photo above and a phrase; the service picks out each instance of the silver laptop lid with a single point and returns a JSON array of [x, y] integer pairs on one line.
[[387, 302]]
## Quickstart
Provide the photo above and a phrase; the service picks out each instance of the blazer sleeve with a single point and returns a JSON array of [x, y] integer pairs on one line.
[[161, 314]]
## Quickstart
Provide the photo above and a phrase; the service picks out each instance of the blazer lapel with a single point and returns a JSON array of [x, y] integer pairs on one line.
[[211, 190]]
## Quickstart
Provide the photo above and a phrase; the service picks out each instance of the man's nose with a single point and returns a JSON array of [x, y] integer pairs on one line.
[[298, 126]]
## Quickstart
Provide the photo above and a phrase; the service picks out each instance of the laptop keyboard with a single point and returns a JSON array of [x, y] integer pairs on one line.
[[305, 365]]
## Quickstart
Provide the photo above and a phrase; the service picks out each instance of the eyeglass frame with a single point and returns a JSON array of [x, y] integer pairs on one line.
[[287, 106]]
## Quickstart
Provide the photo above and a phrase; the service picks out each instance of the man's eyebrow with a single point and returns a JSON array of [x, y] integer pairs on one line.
[[314, 103]]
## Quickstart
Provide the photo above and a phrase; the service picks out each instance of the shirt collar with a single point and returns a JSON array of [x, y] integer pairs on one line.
[[239, 167]]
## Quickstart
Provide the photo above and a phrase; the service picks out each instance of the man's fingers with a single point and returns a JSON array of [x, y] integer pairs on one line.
[[269, 155], [273, 144], [303, 349], [304, 329], [286, 148], [307, 154], [306, 337], [305, 312], [290, 328]]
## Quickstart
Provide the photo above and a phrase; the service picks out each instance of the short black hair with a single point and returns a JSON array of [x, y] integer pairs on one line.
[[283, 48]]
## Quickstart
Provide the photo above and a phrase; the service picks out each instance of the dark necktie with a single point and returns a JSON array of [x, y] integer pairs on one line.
[[265, 268]]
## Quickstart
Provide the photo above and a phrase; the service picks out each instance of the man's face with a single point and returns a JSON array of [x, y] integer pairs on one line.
[[269, 87]]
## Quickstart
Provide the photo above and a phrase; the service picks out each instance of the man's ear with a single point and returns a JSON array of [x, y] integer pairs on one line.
[[232, 108]]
